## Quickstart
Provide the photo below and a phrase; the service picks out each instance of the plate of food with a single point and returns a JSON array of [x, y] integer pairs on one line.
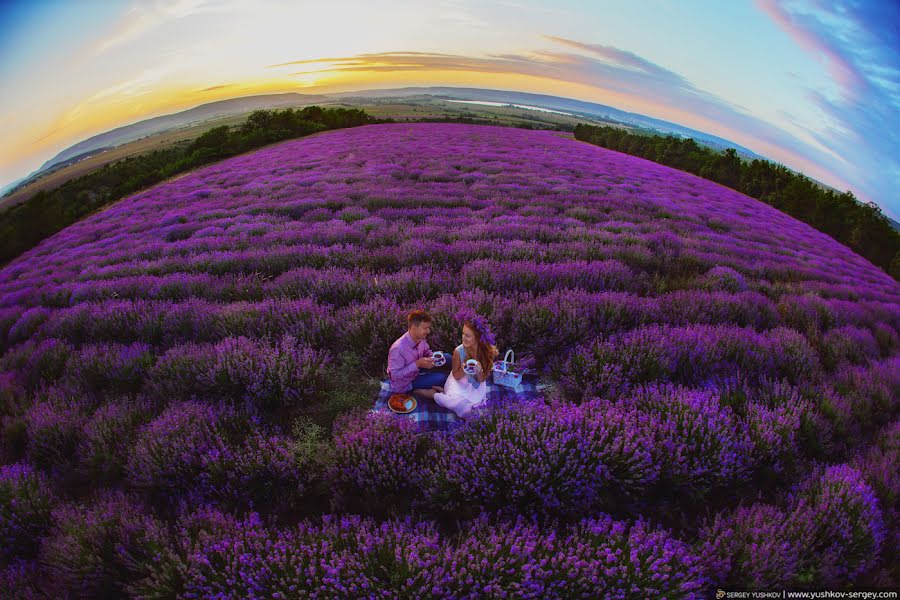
[[402, 403]]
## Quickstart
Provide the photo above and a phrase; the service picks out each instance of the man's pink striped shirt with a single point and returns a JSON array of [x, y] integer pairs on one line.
[[402, 359]]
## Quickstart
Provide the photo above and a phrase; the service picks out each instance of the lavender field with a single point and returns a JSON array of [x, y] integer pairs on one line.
[[186, 378]]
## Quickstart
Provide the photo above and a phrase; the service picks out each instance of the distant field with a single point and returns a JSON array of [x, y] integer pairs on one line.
[[88, 165], [429, 107], [425, 108]]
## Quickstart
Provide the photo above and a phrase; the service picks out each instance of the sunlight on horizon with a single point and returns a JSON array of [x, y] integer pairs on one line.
[[780, 85]]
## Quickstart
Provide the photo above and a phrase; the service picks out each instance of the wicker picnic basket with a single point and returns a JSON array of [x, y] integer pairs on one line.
[[502, 373]]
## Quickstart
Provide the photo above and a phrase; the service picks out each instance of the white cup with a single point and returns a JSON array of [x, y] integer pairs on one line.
[[471, 366], [439, 359]]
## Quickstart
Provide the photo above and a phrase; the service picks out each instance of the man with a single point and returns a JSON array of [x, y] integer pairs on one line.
[[410, 365]]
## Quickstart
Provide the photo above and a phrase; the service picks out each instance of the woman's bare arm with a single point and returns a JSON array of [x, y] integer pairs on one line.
[[458, 372]]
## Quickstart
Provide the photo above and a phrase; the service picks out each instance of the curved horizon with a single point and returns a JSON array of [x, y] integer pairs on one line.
[[811, 85]]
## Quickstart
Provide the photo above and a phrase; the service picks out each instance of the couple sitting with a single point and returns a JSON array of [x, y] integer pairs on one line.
[[411, 364]]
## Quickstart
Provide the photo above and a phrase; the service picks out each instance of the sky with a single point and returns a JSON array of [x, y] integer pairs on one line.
[[811, 84]]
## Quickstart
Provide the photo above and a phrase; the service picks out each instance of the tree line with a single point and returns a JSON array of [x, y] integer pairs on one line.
[[860, 226], [25, 225]]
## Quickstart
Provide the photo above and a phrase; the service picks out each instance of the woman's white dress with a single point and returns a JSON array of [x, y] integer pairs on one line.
[[462, 396]]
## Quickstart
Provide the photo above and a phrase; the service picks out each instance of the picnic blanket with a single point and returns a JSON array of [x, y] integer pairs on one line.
[[430, 416]]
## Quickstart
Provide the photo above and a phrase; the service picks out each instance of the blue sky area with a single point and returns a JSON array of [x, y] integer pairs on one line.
[[813, 84]]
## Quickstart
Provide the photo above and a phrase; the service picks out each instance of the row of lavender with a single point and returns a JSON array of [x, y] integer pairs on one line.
[[548, 324], [828, 529], [268, 374], [249, 218], [735, 420], [232, 271], [341, 287], [334, 288], [704, 346]]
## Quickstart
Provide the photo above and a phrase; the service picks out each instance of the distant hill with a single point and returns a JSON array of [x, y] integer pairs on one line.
[[9, 187], [224, 108], [141, 129], [576, 107]]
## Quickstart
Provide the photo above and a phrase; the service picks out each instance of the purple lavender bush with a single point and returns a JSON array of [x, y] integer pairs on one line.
[[263, 376], [850, 344], [99, 550], [696, 442], [335, 557], [108, 437], [182, 372], [195, 454], [26, 502], [249, 373], [109, 368], [703, 353], [878, 466], [353, 557], [54, 430], [369, 328], [379, 462], [725, 279], [657, 564], [523, 459], [749, 547], [556, 460], [839, 519], [261, 474], [686, 355], [830, 531], [171, 454], [38, 363], [12, 394], [21, 579]]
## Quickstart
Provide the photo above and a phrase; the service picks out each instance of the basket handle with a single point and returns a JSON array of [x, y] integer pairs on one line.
[[506, 358]]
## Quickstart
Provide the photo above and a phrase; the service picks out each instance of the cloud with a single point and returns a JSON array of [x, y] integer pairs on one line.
[[860, 49], [603, 67], [802, 28], [143, 83], [854, 144], [143, 17], [625, 59], [455, 14]]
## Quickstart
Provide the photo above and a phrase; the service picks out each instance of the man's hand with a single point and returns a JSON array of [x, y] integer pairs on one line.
[[426, 362]]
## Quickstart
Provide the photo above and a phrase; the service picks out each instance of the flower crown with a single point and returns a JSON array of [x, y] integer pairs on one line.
[[480, 323]]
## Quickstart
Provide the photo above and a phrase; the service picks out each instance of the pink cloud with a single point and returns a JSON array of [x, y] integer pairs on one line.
[[802, 29]]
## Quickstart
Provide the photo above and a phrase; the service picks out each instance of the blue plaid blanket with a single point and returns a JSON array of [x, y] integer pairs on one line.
[[430, 416]]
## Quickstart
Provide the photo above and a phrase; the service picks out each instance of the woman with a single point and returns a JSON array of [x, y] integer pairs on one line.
[[463, 391]]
